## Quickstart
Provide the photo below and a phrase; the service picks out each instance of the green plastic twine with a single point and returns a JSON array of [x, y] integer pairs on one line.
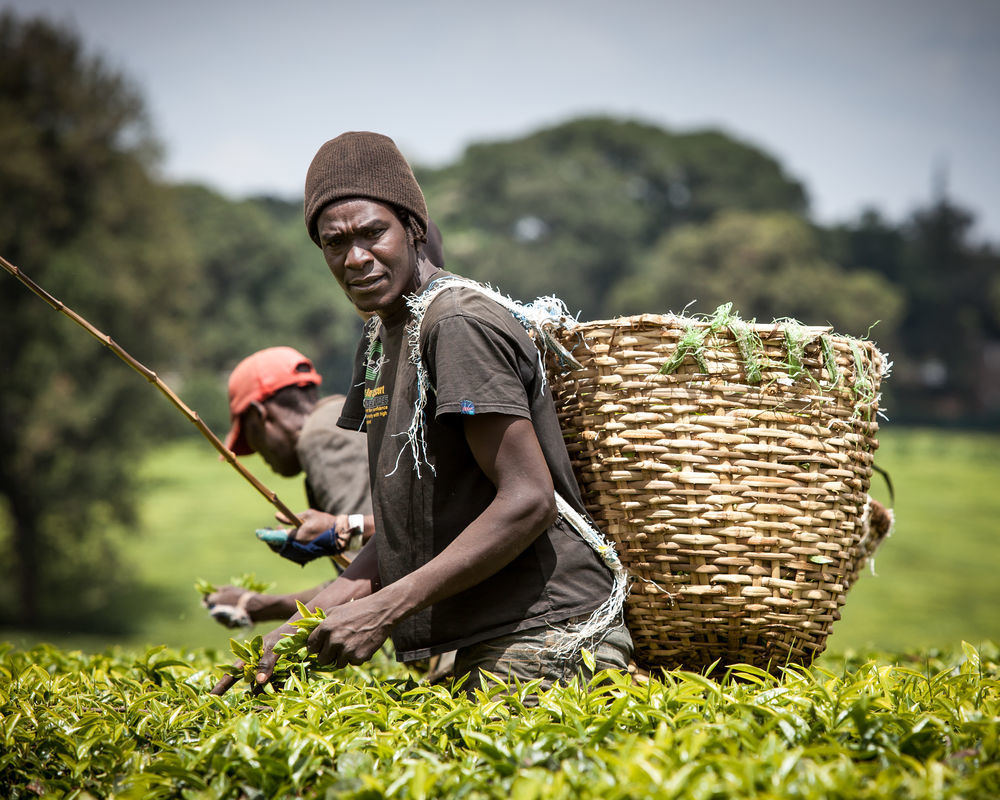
[[750, 346], [796, 339], [830, 360], [864, 386], [692, 343]]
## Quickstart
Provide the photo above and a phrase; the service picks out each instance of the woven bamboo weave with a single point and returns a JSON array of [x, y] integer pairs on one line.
[[737, 502]]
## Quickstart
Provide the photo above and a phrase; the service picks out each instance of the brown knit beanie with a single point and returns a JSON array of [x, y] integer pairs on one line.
[[361, 164]]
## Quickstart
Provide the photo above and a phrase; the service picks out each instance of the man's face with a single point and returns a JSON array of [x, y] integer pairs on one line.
[[268, 432], [367, 250]]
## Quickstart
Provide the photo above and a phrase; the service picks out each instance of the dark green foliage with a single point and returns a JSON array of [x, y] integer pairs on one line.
[[141, 725], [952, 311], [83, 217], [769, 266], [947, 346], [570, 210], [261, 283]]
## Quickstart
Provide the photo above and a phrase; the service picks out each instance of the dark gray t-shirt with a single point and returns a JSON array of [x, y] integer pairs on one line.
[[334, 461], [480, 361]]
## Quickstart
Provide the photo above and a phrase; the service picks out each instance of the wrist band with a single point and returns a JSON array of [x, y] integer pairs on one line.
[[356, 522]]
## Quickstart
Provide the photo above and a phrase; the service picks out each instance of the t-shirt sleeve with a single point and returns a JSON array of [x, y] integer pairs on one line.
[[337, 470], [336, 464], [352, 415], [475, 368]]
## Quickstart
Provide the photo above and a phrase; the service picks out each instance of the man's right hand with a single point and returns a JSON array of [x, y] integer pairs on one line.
[[232, 606], [359, 580], [264, 667], [313, 524]]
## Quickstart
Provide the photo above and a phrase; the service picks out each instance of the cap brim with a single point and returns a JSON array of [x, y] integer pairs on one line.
[[236, 441]]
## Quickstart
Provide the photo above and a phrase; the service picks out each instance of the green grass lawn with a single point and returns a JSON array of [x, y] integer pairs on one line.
[[198, 520], [936, 580]]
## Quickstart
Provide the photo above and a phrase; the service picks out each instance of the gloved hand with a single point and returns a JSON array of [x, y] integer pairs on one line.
[[320, 534], [228, 606], [327, 543]]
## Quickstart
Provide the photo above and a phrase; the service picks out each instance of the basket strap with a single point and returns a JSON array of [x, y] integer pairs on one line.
[[609, 614], [888, 482]]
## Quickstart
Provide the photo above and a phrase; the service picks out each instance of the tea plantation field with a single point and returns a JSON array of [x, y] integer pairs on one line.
[[131, 725], [905, 702]]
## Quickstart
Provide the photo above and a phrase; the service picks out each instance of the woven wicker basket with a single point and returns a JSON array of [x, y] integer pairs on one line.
[[737, 499]]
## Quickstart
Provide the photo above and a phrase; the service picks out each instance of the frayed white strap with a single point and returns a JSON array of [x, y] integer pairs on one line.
[[537, 318], [588, 633]]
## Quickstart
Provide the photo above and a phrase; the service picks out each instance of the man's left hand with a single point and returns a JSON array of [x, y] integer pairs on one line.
[[351, 633], [229, 606], [313, 524]]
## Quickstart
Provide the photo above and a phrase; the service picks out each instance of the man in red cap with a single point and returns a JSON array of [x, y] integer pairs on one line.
[[275, 411]]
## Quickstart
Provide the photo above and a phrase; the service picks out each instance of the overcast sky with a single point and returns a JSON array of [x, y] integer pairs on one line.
[[862, 100]]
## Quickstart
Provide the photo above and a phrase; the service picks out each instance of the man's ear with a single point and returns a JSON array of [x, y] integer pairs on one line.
[[257, 410]]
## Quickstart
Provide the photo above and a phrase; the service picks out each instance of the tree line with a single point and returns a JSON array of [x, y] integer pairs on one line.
[[615, 216]]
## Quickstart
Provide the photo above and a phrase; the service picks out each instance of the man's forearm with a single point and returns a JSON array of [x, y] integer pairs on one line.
[[360, 579], [262, 607], [508, 452], [477, 553]]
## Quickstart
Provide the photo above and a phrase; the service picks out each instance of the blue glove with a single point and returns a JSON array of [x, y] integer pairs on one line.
[[326, 544]]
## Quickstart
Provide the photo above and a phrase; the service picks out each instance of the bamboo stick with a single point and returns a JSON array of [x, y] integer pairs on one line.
[[153, 378]]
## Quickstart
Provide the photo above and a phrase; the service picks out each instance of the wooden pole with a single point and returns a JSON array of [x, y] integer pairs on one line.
[[153, 378]]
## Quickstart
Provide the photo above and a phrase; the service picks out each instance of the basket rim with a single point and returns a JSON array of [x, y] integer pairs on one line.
[[673, 320]]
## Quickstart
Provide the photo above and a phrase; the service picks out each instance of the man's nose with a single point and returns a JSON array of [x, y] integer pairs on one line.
[[357, 257]]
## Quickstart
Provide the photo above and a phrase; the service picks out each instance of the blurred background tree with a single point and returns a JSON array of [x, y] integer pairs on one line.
[[946, 346], [85, 217], [769, 265], [261, 282], [571, 210]]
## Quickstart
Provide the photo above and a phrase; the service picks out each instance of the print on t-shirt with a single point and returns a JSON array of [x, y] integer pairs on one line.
[[374, 359], [376, 401]]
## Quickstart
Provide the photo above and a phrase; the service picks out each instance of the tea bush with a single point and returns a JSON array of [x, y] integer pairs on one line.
[[128, 725]]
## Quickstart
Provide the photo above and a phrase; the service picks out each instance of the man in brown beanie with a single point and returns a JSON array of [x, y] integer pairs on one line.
[[478, 543]]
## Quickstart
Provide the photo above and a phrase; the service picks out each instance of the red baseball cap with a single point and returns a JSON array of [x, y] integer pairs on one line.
[[259, 376]]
